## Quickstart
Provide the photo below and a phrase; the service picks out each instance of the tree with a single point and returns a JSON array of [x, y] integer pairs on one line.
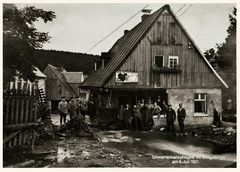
[[227, 51], [226, 59], [211, 56], [21, 38]]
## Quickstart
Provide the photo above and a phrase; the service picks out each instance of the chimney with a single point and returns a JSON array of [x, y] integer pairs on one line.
[[146, 13], [60, 68], [126, 31], [144, 16]]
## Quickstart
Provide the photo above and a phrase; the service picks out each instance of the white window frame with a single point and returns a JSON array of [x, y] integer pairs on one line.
[[201, 114], [174, 58], [162, 57]]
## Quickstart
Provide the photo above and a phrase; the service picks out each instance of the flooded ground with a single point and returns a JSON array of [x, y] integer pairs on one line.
[[156, 149]]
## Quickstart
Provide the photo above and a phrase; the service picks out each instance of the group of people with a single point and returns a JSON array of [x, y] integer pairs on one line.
[[75, 107], [140, 116]]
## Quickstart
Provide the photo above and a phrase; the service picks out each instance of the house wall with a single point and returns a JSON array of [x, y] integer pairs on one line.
[[86, 92], [52, 86], [195, 73], [186, 97], [42, 84]]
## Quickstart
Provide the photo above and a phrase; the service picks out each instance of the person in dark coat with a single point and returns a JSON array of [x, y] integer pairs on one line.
[[148, 115], [181, 117], [216, 116], [164, 107], [121, 117], [170, 117], [137, 117]]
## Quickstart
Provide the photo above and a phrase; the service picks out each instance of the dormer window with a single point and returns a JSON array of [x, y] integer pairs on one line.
[[173, 61]]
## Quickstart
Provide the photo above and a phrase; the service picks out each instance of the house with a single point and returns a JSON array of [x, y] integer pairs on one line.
[[41, 78], [61, 83], [157, 58]]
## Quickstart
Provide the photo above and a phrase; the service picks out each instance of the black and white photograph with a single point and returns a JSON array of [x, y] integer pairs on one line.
[[119, 84]]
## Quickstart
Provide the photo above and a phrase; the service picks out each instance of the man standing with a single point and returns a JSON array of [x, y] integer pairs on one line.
[[229, 104], [121, 117], [63, 110], [149, 118], [181, 116], [171, 117], [164, 107], [137, 116]]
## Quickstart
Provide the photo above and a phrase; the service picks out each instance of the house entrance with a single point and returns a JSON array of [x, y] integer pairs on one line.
[[132, 96]]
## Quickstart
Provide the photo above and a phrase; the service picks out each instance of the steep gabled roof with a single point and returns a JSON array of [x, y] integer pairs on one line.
[[198, 49], [123, 47], [98, 78], [73, 77], [62, 79], [38, 73]]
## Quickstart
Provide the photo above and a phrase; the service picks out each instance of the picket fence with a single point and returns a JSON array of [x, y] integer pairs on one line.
[[20, 106]]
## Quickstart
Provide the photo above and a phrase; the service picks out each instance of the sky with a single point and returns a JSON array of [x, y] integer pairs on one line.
[[78, 27]]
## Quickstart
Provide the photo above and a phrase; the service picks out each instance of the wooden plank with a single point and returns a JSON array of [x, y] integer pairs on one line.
[[12, 110], [15, 127], [22, 109], [33, 139], [17, 111], [16, 118], [30, 112], [27, 110], [26, 119], [6, 114], [10, 136]]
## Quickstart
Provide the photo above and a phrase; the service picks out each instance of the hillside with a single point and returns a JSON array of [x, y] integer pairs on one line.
[[69, 60]]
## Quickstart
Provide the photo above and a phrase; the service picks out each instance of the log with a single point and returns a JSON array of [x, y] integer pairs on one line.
[[15, 127], [8, 138], [43, 153], [23, 164]]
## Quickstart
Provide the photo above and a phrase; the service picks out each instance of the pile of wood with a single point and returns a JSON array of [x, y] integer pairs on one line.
[[76, 126], [223, 137]]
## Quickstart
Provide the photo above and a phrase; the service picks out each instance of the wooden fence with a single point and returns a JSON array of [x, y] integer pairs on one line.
[[20, 105]]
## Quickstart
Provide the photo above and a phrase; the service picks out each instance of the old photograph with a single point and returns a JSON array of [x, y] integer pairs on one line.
[[126, 85]]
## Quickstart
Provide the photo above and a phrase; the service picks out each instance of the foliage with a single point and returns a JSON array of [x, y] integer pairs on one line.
[[21, 38], [69, 60], [227, 50], [211, 56], [225, 59]]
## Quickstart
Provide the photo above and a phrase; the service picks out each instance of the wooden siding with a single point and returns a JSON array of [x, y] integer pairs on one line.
[[52, 83], [159, 41]]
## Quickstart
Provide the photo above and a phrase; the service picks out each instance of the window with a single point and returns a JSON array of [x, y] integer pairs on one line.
[[173, 61], [200, 103], [159, 61]]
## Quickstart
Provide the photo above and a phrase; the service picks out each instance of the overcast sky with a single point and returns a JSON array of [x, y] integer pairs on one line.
[[78, 27]]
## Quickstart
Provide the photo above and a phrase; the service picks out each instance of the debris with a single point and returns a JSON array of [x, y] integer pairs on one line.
[[117, 135], [223, 137], [85, 153], [23, 164], [60, 134], [137, 139], [42, 154], [95, 165], [76, 125], [162, 129]]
